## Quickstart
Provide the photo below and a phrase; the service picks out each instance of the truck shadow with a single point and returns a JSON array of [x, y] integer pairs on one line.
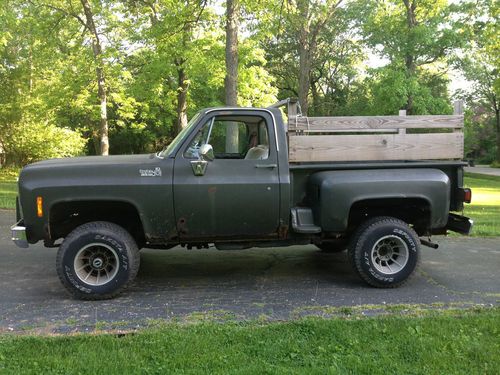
[[294, 264]]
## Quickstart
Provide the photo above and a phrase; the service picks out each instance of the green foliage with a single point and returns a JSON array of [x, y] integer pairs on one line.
[[417, 51], [32, 141], [480, 65], [395, 344], [47, 67], [479, 135]]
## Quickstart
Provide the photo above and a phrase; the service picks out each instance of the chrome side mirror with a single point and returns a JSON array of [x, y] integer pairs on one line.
[[206, 152]]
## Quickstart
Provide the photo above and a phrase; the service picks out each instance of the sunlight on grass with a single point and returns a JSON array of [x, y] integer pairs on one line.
[[485, 206], [486, 197]]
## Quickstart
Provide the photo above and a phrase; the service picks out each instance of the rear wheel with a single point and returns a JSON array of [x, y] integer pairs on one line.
[[97, 260], [385, 252]]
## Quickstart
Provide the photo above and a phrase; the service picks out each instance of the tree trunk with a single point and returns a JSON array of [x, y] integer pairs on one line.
[[411, 67], [316, 110], [497, 119], [101, 81], [304, 55], [182, 90], [30, 61], [231, 79]]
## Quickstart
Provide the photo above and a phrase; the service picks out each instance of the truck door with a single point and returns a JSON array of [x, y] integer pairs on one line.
[[237, 194]]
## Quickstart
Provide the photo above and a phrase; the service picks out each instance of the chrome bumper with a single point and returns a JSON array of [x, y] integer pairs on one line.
[[19, 234], [459, 224]]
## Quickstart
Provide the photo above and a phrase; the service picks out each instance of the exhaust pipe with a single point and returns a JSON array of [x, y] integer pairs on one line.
[[429, 244]]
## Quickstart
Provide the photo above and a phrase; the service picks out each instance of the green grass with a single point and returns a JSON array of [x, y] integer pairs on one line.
[[8, 188], [485, 206], [458, 342], [8, 192]]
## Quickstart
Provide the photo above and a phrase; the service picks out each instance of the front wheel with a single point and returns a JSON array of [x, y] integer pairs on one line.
[[97, 260], [385, 252]]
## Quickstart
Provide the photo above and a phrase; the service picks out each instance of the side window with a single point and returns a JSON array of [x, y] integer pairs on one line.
[[228, 139], [232, 137]]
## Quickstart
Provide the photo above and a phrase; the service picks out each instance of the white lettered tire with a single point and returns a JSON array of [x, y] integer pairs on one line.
[[97, 260], [385, 252]]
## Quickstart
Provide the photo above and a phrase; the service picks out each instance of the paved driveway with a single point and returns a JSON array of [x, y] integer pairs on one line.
[[484, 169], [279, 283]]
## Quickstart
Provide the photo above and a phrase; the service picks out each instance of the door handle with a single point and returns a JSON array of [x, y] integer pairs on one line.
[[269, 166]]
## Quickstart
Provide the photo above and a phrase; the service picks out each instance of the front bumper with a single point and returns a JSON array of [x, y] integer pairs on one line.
[[18, 231], [459, 224]]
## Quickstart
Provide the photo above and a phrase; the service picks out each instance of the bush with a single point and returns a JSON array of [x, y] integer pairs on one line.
[[30, 142]]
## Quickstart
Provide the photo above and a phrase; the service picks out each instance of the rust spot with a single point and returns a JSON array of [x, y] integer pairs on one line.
[[283, 231], [212, 189], [181, 226]]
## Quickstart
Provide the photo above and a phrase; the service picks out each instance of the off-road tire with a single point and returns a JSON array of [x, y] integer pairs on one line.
[[384, 235], [119, 249]]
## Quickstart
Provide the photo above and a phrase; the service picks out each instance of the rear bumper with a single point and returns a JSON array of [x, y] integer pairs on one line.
[[459, 224], [18, 231]]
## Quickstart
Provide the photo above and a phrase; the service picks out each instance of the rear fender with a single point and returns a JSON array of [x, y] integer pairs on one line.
[[331, 194]]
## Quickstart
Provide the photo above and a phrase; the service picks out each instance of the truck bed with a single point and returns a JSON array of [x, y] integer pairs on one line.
[[376, 138]]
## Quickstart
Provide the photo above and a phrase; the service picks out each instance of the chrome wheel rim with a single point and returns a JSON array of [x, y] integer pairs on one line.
[[390, 255], [96, 264]]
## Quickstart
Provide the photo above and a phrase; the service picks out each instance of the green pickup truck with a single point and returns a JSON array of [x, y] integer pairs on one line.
[[227, 180]]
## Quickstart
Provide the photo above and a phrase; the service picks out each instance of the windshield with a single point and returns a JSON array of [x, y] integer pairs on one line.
[[167, 150]]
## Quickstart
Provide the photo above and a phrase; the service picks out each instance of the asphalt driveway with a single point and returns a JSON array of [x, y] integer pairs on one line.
[[276, 284]]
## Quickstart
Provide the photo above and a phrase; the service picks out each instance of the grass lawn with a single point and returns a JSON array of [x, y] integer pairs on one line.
[[485, 206], [449, 342], [8, 192], [8, 189]]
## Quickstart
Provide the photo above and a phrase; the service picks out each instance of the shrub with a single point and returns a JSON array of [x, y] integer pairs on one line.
[[33, 141]]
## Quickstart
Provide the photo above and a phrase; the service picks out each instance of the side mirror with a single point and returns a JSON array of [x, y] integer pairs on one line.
[[206, 152]]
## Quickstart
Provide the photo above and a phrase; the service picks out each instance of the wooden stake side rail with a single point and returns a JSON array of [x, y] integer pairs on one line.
[[322, 139], [376, 147], [334, 124]]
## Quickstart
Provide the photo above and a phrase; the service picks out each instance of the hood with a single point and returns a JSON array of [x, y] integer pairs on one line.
[[94, 170], [94, 161]]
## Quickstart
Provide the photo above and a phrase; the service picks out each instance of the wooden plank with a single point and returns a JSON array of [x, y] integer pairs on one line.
[[377, 122], [402, 112], [458, 107], [458, 110], [352, 131], [376, 147]]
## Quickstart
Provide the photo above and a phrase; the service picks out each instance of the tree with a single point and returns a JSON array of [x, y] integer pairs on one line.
[[169, 29], [309, 21], [312, 52], [100, 77], [28, 124], [416, 36], [480, 64], [231, 80], [61, 10]]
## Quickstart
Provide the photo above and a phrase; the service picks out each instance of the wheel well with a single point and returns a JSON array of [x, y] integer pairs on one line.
[[66, 216], [414, 211]]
